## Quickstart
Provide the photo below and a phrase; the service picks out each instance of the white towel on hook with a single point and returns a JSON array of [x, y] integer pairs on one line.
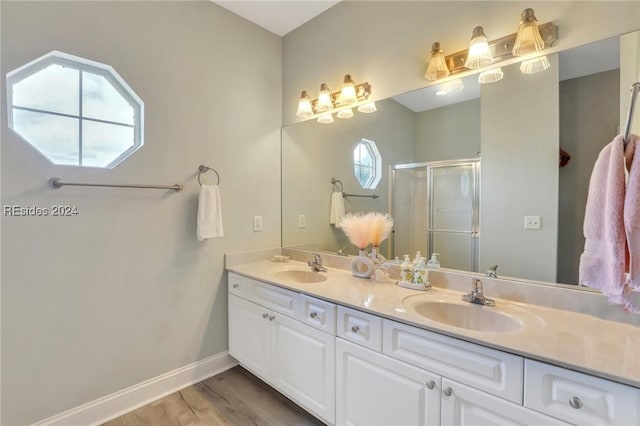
[[336, 212], [209, 223]]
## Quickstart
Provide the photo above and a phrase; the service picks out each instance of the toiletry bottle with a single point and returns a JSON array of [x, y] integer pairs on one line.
[[433, 262], [406, 270], [420, 273], [416, 259]]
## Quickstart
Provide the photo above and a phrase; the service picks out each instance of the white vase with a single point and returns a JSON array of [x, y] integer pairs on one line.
[[362, 266]]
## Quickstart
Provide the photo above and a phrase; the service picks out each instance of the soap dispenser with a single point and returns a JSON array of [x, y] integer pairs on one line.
[[416, 259], [433, 262], [406, 270], [421, 273]]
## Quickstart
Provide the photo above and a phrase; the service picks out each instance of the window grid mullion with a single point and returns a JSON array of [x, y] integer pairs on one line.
[[80, 120]]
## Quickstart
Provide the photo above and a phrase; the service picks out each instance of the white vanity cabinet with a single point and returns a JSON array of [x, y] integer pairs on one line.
[[295, 358]]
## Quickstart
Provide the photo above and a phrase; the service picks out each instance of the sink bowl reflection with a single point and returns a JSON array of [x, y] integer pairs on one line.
[[298, 276], [502, 318]]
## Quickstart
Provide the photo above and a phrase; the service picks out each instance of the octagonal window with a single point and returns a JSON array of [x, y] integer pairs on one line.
[[367, 164], [74, 111]]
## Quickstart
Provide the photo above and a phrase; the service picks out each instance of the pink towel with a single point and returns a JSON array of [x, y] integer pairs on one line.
[[602, 264], [632, 210]]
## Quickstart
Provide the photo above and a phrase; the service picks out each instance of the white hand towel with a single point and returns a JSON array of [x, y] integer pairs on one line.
[[209, 222], [632, 210], [336, 211]]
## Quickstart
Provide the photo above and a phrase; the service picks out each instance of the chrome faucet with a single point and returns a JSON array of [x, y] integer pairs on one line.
[[476, 295], [316, 263], [341, 252], [491, 272]]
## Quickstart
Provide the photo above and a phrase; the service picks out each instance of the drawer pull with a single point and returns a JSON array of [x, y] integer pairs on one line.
[[431, 384], [265, 315], [575, 402], [447, 391], [235, 285], [355, 328], [272, 317], [313, 314]]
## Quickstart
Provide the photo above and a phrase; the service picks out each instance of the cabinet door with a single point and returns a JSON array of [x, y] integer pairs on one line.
[[465, 406], [373, 389], [249, 329], [304, 365]]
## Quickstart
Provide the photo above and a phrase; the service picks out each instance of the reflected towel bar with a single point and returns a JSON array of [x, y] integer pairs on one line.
[[635, 87], [335, 182], [57, 183]]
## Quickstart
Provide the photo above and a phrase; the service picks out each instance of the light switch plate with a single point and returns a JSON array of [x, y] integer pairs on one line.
[[532, 222], [257, 223], [302, 221]]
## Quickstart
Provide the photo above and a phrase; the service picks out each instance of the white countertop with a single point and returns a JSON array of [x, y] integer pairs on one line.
[[577, 341]]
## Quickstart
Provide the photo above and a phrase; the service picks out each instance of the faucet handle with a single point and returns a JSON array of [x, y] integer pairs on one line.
[[316, 258], [476, 285]]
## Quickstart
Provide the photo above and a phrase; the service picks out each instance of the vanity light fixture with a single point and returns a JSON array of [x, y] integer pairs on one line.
[[450, 87], [529, 39], [490, 76], [479, 51], [437, 67], [351, 96], [304, 106], [532, 66]]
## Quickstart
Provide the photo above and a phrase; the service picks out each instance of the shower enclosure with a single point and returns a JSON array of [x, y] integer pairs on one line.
[[435, 206]]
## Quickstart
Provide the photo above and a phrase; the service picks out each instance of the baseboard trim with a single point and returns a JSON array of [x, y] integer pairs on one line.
[[111, 406]]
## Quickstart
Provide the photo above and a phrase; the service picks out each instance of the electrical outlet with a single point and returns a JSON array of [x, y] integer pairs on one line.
[[257, 223], [532, 222], [302, 221]]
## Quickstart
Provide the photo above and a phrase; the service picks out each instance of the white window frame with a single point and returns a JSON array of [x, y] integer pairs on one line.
[[64, 59], [376, 174]]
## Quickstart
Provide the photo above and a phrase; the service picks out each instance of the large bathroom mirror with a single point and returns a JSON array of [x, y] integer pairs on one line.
[[516, 133]]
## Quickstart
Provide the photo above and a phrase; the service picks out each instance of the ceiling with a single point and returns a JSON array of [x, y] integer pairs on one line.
[[279, 17]]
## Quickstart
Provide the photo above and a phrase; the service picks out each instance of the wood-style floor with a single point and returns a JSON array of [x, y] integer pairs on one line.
[[235, 397]]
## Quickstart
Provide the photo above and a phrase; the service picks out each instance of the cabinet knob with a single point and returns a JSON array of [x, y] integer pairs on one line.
[[313, 314], [272, 317], [265, 315], [355, 328], [431, 384], [235, 286], [575, 402], [447, 391]]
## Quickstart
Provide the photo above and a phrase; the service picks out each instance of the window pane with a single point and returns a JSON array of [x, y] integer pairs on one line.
[[102, 101], [55, 136], [54, 88], [102, 143]]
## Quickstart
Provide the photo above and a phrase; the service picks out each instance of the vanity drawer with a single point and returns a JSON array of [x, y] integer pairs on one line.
[[318, 313], [238, 284], [490, 370], [579, 398], [360, 328]]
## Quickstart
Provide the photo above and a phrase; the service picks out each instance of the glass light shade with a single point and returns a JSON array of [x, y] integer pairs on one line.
[[528, 39], [437, 66], [368, 108], [348, 94], [490, 76], [450, 87], [324, 99], [345, 113], [479, 51], [325, 119], [535, 65], [304, 106]]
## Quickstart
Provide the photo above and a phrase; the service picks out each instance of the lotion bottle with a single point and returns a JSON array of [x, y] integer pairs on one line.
[[433, 262], [406, 270], [420, 273]]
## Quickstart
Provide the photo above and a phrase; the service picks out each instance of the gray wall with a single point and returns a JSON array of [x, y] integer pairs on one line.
[[448, 133], [588, 121], [519, 173], [386, 42], [123, 292], [313, 153]]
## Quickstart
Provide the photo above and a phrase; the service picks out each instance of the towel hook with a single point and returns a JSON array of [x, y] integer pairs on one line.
[[203, 169], [336, 182]]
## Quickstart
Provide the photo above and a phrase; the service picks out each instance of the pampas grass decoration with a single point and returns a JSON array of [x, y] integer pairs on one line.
[[380, 227], [357, 228]]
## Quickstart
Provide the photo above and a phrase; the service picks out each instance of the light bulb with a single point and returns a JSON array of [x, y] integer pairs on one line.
[[304, 106], [325, 119], [368, 108], [479, 51], [348, 94], [490, 76], [345, 113], [535, 65], [324, 99], [437, 66], [528, 39]]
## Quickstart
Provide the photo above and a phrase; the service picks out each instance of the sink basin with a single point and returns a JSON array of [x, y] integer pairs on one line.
[[489, 319], [299, 276]]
